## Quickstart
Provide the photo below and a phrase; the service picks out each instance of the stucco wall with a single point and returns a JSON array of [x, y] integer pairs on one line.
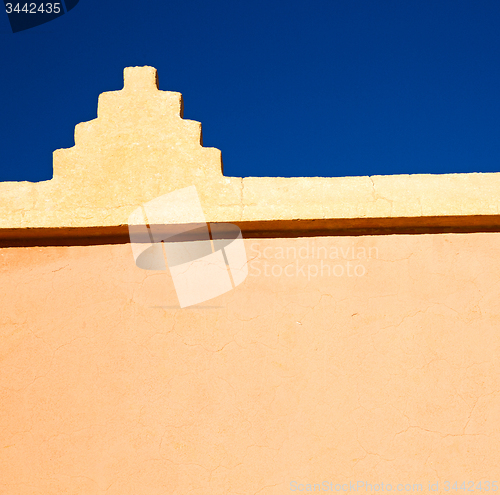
[[387, 375], [343, 362], [139, 147]]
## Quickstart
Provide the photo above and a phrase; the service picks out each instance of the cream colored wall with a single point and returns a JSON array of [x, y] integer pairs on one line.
[[387, 375], [384, 371], [139, 148]]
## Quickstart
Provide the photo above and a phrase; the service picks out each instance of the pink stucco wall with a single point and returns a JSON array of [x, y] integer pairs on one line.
[[385, 373]]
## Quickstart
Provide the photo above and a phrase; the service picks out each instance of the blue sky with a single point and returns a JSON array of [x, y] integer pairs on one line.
[[321, 88]]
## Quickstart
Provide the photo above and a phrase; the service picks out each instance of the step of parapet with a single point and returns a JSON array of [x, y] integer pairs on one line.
[[139, 147]]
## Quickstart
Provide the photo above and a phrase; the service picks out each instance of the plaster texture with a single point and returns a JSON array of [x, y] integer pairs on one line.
[[339, 359], [388, 375], [139, 147]]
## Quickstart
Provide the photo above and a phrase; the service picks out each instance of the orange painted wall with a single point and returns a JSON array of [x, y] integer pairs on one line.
[[388, 375]]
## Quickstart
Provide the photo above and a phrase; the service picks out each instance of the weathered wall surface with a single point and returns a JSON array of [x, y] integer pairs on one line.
[[386, 371], [139, 147], [359, 361]]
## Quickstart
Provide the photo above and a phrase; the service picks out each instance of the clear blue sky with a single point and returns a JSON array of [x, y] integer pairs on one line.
[[283, 88]]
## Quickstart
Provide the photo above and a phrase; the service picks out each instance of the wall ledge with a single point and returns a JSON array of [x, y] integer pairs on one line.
[[140, 147]]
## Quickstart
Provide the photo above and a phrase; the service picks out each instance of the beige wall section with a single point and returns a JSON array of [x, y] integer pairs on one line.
[[375, 364], [389, 375], [139, 147]]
